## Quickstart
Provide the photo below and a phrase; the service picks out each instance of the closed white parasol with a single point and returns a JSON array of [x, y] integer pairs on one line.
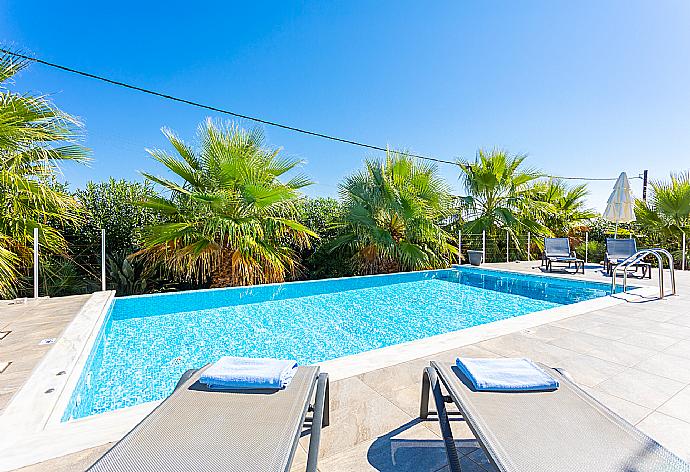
[[621, 203]]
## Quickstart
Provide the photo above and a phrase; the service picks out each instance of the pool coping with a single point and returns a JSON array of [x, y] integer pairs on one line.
[[33, 418]]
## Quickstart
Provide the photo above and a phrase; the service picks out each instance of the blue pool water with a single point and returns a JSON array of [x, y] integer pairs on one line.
[[147, 342]]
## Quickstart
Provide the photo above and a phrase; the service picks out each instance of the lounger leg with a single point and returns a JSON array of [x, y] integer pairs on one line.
[[452, 453], [424, 405], [319, 419], [326, 403]]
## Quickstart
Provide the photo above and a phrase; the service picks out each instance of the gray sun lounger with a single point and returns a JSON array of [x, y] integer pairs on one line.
[[197, 429], [618, 250], [558, 250], [563, 430]]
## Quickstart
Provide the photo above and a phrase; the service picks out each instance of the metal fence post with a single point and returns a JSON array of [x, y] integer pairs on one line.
[[529, 246], [459, 246], [507, 246], [483, 245], [35, 262], [586, 247], [103, 259]]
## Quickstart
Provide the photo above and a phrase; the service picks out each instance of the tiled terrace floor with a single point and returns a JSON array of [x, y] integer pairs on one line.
[[28, 324], [633, 357]]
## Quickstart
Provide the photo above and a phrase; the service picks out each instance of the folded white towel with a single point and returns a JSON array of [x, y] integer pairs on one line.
[[505, 375], [249, 373]]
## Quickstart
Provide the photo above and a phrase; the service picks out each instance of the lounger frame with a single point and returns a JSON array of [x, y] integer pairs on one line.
[[432, 380], [317, 403], [566, 257], [614, 254]]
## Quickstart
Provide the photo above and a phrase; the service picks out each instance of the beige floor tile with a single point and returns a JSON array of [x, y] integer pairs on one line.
[[666, 365], [5, 400], [410, 447], [461, 431], [480, 458], [407, 399], [669, 329], [621, 353], [299, 461], [635, 323], [545, 332], [395, 377], [78, 461], [358, 413], [678, 406], [605, 316], [680, 349], [641, 388], [579, 342], [518, 345], [468, 465], [682, 320], [577, 323], [450, 356], [656, 342], [588, 370], [652, 314], [608, 331], [670, 432]]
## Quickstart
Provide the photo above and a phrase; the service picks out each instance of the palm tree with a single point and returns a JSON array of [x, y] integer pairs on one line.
[[229, 218], [559, 207], [666, 217], [393, 214], [497, 189], [34, 138]]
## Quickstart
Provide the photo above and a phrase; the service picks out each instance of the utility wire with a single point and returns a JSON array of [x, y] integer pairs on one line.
[[588, 178], [247, 117], [213, 108]]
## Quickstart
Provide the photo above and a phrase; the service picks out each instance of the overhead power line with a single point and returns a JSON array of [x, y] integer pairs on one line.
[[213, 108], [588, 178], [248, 117]]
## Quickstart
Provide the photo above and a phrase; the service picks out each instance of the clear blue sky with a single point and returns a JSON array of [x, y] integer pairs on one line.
[[585, 88]]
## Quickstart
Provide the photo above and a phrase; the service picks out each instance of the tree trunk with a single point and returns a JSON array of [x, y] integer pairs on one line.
[[223, 274]]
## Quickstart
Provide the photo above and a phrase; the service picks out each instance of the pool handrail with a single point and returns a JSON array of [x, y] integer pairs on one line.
[[636, 258]]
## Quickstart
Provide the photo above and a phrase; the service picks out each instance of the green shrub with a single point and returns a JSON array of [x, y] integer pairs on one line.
[[112, 205], [321, 215]]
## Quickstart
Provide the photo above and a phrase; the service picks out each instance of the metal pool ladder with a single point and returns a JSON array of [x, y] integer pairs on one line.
[[637, 257]]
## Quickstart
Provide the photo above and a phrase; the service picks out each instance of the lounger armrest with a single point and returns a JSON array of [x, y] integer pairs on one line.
[[186, 376], [565, 374]]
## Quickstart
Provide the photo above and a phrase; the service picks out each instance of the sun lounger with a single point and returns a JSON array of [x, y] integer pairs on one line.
[[558, 250], [564, 429], [618, 250], [197, 429]]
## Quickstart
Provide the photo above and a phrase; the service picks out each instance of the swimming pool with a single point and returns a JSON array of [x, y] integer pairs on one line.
[[146, 342]]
